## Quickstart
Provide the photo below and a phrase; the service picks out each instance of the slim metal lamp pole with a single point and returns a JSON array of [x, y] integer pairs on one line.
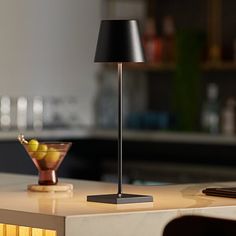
[[120, 124], [120, 197]]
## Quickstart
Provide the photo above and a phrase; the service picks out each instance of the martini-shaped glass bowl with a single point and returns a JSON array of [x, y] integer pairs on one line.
[[47, 157]]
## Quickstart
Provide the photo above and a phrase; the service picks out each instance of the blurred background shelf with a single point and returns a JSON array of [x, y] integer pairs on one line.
[[129, 135], [220, 66], [149, 156], [159, 67]]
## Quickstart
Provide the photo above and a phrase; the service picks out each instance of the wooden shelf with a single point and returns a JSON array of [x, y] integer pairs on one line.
[[159, 67], [130, 135], [164, 136], [151, 66], [220, 66]]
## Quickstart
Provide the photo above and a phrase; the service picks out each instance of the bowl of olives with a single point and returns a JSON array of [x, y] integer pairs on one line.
[[47, 157]]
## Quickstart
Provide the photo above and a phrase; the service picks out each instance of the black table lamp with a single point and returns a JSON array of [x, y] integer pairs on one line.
[[119, 41]]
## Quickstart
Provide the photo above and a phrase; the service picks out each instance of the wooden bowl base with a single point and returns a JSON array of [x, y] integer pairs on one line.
[[60, 187]]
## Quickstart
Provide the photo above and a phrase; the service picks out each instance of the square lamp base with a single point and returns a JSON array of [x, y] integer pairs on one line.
[[123, 199]]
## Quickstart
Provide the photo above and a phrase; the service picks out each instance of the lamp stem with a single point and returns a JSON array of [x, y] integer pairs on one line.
[[120, 116]]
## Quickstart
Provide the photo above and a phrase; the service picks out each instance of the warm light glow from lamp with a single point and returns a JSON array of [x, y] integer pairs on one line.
[[119, 42]]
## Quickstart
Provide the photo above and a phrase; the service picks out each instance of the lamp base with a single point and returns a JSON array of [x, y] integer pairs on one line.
[[116, 199]]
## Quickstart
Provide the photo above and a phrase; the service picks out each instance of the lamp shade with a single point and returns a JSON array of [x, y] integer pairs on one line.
[[119, 41]]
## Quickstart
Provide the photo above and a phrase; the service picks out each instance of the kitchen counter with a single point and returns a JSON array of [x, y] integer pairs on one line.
[[69, 214]]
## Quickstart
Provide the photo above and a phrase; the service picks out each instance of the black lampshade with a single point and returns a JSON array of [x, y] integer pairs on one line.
[[119, 41]]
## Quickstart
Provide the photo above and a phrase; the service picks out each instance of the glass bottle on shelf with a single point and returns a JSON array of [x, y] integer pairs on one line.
[[210, 112], [22, 105], [5, 109], [152, 43], [228, 117], [106, 102], [168, 28], [37, 113], [234, 51]]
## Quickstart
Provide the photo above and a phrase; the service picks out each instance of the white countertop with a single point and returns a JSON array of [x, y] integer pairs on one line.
[[18, 206], [13, 196]]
